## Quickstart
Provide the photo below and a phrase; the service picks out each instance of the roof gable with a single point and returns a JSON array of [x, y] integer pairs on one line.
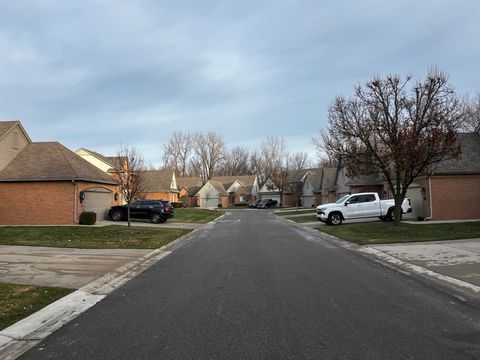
[[51, 161], [159, 181], [7, 126]]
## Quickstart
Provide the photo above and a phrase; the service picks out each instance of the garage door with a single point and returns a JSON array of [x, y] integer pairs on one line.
[[98, 201], [210, 203]]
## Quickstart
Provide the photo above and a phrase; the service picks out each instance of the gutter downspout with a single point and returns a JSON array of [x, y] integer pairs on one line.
[[430, 198], [74, 201]]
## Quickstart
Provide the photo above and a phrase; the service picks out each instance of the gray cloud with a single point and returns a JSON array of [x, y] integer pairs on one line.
[[101, 73]]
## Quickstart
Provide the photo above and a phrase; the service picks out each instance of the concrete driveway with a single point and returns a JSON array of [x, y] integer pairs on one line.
[[61, 267]]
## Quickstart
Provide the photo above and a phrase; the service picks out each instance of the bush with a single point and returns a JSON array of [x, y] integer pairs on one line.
[[177, 204], [241, 205], [88, 218]]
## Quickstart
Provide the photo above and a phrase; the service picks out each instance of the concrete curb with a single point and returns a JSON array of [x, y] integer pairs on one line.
[[25, 334]]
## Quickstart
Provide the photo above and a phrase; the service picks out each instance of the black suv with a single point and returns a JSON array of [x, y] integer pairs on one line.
[[156, 211], [266, 203]]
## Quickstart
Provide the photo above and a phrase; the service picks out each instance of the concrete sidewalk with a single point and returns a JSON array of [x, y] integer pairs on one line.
[[459, 259]]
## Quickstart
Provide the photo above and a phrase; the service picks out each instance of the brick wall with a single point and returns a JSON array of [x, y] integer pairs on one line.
[[168, 196], [43, 203], [36, 203], [456, 197]]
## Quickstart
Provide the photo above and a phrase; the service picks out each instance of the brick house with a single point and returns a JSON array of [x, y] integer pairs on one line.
[[46, 183], [161, 185], [189, 187], [241, 189]]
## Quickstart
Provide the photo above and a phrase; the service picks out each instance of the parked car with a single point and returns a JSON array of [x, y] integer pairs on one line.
[[360, 205], [156, 211], [253, 204], [266, 203]]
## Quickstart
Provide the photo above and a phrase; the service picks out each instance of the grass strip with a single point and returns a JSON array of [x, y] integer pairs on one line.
[[386, 233], [303, 218], [195, 215], [108, 237], [295, 212], [19, 301]]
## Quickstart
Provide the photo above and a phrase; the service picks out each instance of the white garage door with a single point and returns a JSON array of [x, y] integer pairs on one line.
[[209, 203], [98, 201]]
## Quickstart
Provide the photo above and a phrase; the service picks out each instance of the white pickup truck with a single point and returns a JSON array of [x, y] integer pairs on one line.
[[357, 206]]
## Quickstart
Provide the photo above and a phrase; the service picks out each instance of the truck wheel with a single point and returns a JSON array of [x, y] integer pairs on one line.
[[335, 219], [391, 214], [156, 218], [116, 215]]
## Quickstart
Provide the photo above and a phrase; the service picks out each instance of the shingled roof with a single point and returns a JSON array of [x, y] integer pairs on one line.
[[469, 162], [158, 180], [245, 180], [192, 184], [51, 161]]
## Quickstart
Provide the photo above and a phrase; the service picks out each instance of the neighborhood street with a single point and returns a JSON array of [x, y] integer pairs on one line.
[[252, 286]]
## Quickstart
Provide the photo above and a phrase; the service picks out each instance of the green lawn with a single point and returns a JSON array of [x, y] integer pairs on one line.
[[20, 301], [295, 212], [195, 215], [385, 233], [108, 237], [303, 218]]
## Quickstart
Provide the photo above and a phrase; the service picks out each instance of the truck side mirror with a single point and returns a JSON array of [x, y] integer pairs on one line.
[[347, 202]]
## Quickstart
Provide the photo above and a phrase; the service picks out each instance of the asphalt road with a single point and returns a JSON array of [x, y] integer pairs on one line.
[[253, 287]]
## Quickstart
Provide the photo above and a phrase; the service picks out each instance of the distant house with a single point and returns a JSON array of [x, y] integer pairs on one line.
[[161, 185], [212, 195], [189, 187], [46, 183], [311, 188], [241, 189], [269, 191]]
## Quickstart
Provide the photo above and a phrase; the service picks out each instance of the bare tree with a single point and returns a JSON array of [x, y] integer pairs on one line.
[[471, 110], [209, 151], [130, 176], [235, 162], [297, 161], [395, 128], [177, 152], [273, 153]]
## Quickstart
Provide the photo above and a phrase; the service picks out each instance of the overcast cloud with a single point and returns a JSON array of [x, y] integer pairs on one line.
[[96, 74]]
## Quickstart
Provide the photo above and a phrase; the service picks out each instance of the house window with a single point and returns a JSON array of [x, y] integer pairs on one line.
[[242, 197]]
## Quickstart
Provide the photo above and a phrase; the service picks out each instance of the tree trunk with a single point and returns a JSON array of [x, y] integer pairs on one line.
[[128, 216], [398, 209]]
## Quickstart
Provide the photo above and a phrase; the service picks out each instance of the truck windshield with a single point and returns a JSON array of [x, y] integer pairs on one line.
[[342, 199]]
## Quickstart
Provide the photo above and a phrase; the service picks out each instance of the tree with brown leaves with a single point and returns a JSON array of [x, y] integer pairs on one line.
[[397, 127]]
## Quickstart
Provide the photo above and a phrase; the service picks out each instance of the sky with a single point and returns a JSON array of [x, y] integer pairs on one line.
[[100, 74]]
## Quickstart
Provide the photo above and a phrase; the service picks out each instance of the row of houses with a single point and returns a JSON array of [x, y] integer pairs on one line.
[[46, 183]]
